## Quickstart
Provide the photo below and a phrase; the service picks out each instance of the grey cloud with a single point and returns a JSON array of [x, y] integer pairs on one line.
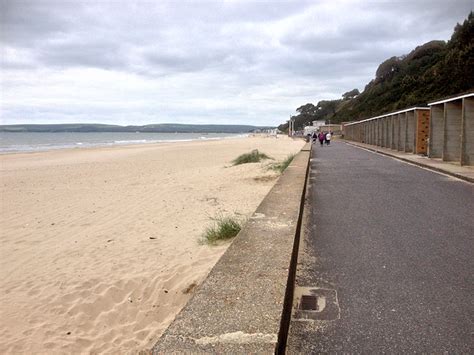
[[23, 22], [222, 57], [230, 51], [177, 62], [376, 24], [358, 43], [105, 55]]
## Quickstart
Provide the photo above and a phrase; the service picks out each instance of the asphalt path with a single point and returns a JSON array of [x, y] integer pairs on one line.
[[394, 242]]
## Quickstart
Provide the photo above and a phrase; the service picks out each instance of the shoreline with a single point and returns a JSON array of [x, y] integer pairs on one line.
[[124, 143], [101, 245]]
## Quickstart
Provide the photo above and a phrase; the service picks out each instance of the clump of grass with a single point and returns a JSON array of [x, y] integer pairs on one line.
[[253, 157], [280, 167], [223, 228]]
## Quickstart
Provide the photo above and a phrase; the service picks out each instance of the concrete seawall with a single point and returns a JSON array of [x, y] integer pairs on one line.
[[240, 306]]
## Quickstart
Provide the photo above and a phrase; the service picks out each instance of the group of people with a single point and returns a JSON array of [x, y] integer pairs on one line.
[[323, 137]]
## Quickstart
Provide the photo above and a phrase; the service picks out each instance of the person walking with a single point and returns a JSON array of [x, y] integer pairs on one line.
[[321, 138], [314, 136], [328, 138]]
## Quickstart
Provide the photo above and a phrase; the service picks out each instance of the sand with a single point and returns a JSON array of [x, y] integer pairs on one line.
[[100, 247]]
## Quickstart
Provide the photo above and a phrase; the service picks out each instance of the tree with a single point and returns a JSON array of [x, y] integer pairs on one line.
[[387, 68], [350, 94], [308, 109], [327, 108]]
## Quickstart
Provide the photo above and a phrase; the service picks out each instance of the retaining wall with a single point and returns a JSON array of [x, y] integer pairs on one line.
[[239, 308]]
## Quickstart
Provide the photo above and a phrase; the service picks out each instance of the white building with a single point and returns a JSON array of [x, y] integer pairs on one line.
[[318, 124], [309, 130]]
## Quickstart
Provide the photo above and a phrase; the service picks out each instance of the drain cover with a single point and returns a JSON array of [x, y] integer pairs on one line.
[[309, 303], [312, 303]]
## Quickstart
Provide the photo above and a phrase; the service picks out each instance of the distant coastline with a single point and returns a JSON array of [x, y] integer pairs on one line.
[[35, 141], [151, 128]]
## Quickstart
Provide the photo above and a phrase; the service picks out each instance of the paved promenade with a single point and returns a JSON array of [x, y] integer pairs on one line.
[[451, 168], [387, 258]]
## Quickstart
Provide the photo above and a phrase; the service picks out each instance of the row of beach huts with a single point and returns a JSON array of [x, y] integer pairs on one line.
[[443, 130]]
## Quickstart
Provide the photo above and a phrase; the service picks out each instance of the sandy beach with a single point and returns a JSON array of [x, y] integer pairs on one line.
[[100, 247]]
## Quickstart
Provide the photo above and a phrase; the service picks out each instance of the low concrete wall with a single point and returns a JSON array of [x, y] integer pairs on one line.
[[239, 307]]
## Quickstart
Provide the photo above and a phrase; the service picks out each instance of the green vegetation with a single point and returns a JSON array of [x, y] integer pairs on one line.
[[223, 228], [432, 71], [283, 165], [253, 157]]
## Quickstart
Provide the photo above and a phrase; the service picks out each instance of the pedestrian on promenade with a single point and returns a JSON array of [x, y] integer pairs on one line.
[[328, 138], [321, 137], [314, 136]]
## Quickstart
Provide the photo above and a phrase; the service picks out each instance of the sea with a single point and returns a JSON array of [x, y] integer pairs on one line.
[[20, 142]]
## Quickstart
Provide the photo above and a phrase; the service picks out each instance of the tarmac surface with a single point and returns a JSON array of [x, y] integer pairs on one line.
[[464, 172], [386, 258]]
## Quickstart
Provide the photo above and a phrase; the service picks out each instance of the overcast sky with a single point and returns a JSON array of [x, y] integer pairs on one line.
[[225, 62]]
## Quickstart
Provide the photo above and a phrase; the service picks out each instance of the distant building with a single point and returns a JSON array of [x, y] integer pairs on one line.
[[309, 130], [334, 128], [321, 126], [318, 124], [268, 131], [272, 131]]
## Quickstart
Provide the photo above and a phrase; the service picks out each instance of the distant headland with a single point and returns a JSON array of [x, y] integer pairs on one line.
[[151, 128]]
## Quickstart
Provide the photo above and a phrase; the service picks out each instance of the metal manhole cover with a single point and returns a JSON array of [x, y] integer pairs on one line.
[[309, 303], [312, 303]]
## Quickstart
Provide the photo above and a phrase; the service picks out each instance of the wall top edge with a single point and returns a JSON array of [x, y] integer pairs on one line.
[[388, 114], [451, 99]]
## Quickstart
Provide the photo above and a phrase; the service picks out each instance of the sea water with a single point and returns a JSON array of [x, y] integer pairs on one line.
[[35, 141]]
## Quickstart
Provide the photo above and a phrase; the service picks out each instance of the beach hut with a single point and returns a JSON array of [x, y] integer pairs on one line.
[[406, 130], [452, 129]]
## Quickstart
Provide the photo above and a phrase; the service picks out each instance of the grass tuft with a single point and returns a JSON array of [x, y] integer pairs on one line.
[[284, 164], [224, 228], [253, 157]]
